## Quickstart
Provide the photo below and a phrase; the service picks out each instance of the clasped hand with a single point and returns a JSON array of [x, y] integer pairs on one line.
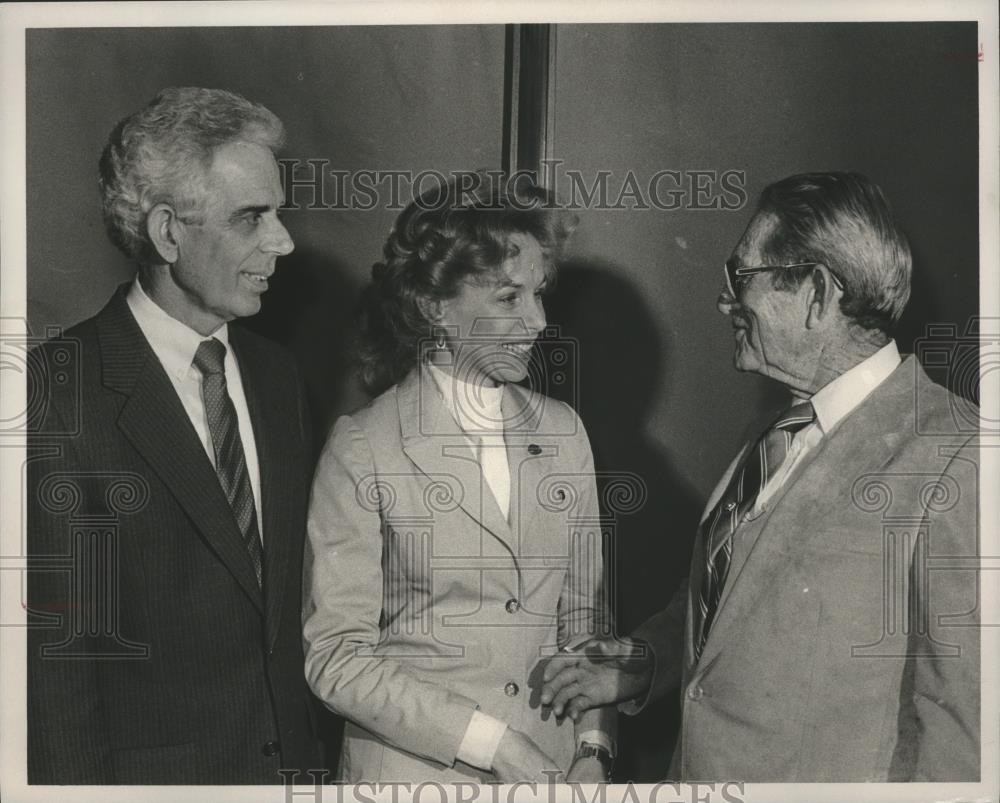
[[602, 672]]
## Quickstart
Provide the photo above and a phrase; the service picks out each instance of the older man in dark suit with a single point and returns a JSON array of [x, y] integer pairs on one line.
[[170, 652], [829, 627]]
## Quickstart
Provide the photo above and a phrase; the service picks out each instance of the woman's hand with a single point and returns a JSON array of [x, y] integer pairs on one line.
[[587, 770], [603, 672], [518, 758]]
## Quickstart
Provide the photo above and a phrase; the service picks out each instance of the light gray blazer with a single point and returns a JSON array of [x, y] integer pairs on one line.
[[422, 603], [811, 671]]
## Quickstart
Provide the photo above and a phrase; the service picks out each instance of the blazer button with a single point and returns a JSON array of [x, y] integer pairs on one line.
[[512, 605], [695, 693], [271, 748], [511, 689], [534, 448]]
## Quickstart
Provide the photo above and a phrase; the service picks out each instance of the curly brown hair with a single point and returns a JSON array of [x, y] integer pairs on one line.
[[450, 234]]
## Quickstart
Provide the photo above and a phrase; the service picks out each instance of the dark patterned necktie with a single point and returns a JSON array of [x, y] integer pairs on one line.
[[230, 460], [759, 466]]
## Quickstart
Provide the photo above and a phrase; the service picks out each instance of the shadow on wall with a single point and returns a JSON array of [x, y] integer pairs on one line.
[[623, 360], [310, 309], [926, 320]]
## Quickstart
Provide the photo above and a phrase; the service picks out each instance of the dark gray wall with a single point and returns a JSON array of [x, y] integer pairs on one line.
[[770, 100]]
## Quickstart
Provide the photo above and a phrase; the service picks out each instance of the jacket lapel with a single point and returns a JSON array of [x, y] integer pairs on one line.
[[434, 442], [863, 442], [273, 427], [528, 457], [155, 422]]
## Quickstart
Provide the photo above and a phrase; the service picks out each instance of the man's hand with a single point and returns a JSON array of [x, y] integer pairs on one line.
[[602, 672], [518, 758], [586, 770]]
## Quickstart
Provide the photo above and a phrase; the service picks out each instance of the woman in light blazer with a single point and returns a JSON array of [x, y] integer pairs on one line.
[[454, 537]]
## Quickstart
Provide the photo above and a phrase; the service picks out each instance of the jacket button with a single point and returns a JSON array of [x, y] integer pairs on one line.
[[511, 689], [512, 605], [271, 748], [695, 693], [534, 448]]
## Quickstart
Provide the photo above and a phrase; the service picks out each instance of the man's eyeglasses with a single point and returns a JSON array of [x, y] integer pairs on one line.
[[737, 273]]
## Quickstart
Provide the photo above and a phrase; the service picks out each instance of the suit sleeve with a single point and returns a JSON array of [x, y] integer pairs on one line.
[[945, 665], [67, 742], [584, 608], [342, 608], [663, 634]]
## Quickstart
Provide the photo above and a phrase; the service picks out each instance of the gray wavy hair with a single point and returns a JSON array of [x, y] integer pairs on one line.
[[843, 221], [161, 154]]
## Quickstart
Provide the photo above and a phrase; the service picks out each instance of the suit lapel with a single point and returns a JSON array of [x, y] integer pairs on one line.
[[155, 422], [528, 457], [863, 442], [273, 427], [434, 442]]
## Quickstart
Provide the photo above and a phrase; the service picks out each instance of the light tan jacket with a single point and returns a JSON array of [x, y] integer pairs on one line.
[[422, 603], [846, 643]]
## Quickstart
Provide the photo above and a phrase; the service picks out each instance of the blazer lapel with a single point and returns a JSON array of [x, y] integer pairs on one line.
[[155, 422], [434, 442], [272, 429], [528, 456]]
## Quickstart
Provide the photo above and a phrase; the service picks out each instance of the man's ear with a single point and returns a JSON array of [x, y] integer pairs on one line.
[[161, 227], [822, 295]]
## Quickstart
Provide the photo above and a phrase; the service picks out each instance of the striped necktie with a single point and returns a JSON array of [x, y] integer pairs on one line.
[[759, 466], [230, 460]]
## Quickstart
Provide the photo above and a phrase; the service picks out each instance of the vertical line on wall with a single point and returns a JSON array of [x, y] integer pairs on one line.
[[529, 110]]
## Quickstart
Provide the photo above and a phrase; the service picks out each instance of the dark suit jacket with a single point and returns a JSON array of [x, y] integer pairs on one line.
[[153, 656]]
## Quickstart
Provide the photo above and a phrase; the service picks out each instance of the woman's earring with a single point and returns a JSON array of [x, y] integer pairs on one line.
[[440, 354]]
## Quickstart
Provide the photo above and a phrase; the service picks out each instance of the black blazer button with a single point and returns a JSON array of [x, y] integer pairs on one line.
[[512, 605], [534, 448], [511, 689], [271, 748]]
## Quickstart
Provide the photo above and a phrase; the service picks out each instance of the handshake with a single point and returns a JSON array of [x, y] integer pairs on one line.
[[600, 672]]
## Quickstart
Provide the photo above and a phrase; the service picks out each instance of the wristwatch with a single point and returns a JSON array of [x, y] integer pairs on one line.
[[601, 753]]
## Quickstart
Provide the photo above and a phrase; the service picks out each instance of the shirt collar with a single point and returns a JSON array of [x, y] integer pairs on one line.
[[173, 342], [474, 407], [834, 401]]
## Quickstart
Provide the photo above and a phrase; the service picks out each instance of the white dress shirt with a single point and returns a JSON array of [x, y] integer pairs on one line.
[[174, 345], [476, 409], [832, 403]]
